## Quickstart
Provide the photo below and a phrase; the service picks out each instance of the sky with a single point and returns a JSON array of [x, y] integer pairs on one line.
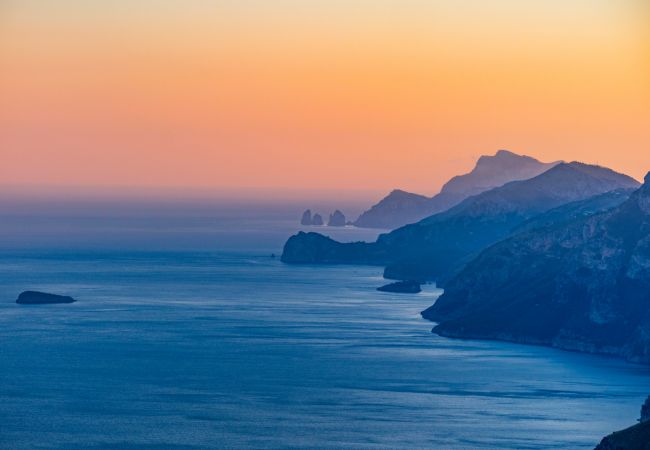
[[305, 96]]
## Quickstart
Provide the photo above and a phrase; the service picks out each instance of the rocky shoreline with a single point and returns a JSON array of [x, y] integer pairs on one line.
[[636, 437], [565, 345], [581, 286]]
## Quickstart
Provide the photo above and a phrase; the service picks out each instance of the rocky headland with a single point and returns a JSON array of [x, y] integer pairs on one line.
[[443, 243], [582, 285], [636, 437]]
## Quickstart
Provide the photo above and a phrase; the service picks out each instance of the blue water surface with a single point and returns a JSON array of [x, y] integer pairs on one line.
[[226, 347]]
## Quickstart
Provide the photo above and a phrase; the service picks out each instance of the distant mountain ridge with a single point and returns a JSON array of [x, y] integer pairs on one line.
[[436, 245], [400, 207], [494, 171], [430, 248], [575, 210], [581, 286]]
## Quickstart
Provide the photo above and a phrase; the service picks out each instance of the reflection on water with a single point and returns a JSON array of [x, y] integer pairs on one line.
[[227, 350]]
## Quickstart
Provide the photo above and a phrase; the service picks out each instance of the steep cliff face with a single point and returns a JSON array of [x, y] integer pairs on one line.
[[400, 208], [337, 219], [636, 437], [435, 245], [581, 286], [317, 220], [442, 243], [575, 210], [306, 218]]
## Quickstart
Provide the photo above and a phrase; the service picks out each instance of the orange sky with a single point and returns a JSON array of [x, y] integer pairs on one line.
[[361, 95]]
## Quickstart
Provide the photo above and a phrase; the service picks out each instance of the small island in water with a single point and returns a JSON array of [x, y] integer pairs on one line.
[[402, 287], [42, 298]]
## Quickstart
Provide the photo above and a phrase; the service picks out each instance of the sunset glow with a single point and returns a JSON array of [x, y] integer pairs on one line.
[[316, 94]]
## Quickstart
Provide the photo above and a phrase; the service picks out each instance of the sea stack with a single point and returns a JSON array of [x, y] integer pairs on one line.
[[306, 218], [402, 287], [317, 220], [645, 411], [42, 298], [337, 219]]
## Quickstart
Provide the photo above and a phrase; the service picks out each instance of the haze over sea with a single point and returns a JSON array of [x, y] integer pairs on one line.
[[188, 334]]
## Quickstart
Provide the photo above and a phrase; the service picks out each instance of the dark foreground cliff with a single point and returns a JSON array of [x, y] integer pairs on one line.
[[580, 286], [636, 437]]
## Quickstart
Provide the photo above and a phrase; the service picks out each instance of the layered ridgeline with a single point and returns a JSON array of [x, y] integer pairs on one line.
[[583, 285], [400, 208], [576, 210], [439, 244]]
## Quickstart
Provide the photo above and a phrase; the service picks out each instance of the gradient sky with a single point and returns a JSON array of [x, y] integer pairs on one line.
[[309, 95]]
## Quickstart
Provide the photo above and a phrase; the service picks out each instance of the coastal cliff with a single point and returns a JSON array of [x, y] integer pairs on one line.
[[636, 437], [441, 244], [314, 248], [581, 286]]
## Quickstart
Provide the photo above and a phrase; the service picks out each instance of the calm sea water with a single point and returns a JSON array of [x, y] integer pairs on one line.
[[187, 334]]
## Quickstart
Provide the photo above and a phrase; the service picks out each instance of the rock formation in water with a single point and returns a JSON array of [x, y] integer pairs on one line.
[[404, 287], [645, 410], [636, 437], [42, 298], [582, 285], [337, 219], [306, 218], [400, 207], [445, 242], [317, 220]]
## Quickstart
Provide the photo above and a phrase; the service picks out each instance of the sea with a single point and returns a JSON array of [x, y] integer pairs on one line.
[[190, 333]]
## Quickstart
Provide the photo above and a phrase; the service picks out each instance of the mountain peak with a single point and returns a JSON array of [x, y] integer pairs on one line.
[[400, 207], [495, 170], [399, 192], [507, 154], [501, 156], [603, 174], [563, 168]]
